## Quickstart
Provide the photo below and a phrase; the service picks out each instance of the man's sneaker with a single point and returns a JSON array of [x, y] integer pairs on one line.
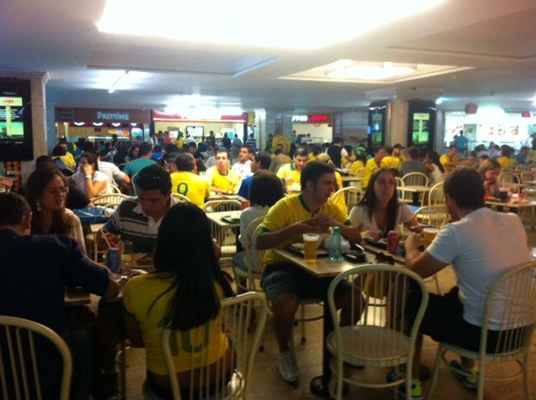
[[416, 390], [287, 367], [467, 377]]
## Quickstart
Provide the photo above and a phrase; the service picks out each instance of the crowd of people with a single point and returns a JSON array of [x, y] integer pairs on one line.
[[291, 187]]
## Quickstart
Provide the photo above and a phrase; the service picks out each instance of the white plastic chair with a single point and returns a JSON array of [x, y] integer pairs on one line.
[[238, 315], [350, 195], [222, 205], [21, 358], [382, 336], [509, 300], [413, 179], [180, 198], [109, 200]]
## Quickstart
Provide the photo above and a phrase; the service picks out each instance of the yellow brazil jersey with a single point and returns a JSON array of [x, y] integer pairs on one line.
[[190, 185], [357, 168], [68, 160], [339, 200], [447, 163], [179, 143], [206, 345], [291, 176], [505, 162], [370, 168], [228, 183], [391, 162], [290, 210]]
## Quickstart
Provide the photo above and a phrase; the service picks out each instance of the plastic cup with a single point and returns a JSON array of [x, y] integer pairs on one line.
[[310, 245], [393, 238]]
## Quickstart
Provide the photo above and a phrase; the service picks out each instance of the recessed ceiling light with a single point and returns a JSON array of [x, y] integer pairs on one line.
[[296, 24], [372, 72]]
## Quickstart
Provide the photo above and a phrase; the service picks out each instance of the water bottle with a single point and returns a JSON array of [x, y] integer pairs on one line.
[[113, 260], [334, 244]]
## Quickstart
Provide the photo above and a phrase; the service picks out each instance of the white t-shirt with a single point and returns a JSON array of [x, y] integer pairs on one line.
[[80, 179], [360, 218], [481, 246], [248, 215], [112, 171], [75, 231], [243, 170]]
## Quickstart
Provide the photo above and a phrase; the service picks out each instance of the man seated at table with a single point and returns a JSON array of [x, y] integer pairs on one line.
[[290, 173], [185, 182], [413, 163], [137, 220], [259, 162], [285, 284], [373, 164], [448, 160], [37, 271], [220, 177], [242, 167], [481, 244]]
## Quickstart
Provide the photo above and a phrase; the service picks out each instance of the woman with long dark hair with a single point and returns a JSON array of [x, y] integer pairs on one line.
[[380, 211], [46, 191], [89, 179], [183, 294]]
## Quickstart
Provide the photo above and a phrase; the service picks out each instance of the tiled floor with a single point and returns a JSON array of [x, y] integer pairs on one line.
[[266, 384]]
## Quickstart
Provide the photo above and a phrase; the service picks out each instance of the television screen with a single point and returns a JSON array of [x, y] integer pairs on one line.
[[16, 140], [11, 118], [421, 133]]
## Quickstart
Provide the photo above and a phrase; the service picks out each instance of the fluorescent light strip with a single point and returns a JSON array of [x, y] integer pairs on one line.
[[113, 88], [353, 18]]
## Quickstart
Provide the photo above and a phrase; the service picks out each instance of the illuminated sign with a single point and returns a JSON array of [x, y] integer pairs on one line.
[[113, 116], [300, 118], [312, 118]]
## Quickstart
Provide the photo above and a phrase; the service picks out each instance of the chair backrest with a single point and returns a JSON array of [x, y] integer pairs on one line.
[[348, 196], [380, 304], [436, 216], [243, 318], [436, 196], [109, 200], [222, 205], [115, 189], [20, 358], [415, 178], [180, 198], [253, 260], [511, 309]]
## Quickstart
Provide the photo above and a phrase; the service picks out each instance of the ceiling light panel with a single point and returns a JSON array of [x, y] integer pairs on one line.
[[296, 24]]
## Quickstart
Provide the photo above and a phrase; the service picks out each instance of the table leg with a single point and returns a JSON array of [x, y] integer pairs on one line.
[[320, 385]]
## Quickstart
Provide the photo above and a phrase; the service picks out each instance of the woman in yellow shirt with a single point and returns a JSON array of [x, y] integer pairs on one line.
[[183, 294]]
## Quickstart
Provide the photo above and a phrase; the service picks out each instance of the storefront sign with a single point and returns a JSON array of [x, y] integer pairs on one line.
[[162, 116], [312, 118], [471, 108], [300, 118], [90, 115], [112, 116]]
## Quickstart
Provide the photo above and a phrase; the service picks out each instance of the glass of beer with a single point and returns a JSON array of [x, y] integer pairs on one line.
[[310, 244]]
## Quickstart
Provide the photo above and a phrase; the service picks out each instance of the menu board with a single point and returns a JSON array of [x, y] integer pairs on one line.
[[376, 128], [11, 120], [421, 132]]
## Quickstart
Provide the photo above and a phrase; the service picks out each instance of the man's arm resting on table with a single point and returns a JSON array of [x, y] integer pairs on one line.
[[422, 263], [269, 240]]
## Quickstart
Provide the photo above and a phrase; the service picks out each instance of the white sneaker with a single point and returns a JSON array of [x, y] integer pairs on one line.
[[287, 367]]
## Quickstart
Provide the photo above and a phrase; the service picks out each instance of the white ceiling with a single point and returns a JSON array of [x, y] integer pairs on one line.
[[495, 37]]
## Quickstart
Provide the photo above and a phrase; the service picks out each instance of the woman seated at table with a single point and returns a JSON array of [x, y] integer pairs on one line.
[[266, 189], [490, 170], [46, 191], [380, 212], [89, 179], [183, 294]]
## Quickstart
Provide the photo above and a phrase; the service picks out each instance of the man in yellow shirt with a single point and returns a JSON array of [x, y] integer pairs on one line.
[[505, 160], [185, 182], [220, 177], [291, 173], [448, 160], [284, 283], [373, 164], [392, 160]]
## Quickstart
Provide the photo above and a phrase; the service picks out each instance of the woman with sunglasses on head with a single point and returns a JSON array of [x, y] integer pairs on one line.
[[46, 191], [380, 212]]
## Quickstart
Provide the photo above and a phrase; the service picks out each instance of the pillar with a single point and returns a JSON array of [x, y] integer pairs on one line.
[[397, 123]]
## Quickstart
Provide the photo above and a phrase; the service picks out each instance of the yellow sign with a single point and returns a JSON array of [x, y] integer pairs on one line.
[[11, 101]]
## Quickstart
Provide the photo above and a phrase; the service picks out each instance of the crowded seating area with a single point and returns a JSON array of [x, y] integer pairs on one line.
[[341, 234]]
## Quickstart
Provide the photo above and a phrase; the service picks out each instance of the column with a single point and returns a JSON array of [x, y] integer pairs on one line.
[[397, 123]]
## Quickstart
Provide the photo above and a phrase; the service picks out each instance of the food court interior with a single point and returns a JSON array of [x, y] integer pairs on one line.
[[107, 90]]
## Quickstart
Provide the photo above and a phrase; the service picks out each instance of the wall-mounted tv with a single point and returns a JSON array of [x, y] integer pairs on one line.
[[16, 140]]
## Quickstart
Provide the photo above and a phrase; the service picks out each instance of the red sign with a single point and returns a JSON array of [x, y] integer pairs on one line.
[[318, 118], [526, 114], [471, 108]]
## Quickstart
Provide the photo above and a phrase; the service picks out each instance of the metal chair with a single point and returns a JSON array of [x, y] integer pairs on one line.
[[347, 197], [21, 358], [222, 205], [383, 336], [413, 179], [510, 309], [252, 259], [228, 377], [109, 200]]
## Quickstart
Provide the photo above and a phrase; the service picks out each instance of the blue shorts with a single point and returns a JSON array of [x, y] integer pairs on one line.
[[286, 278]]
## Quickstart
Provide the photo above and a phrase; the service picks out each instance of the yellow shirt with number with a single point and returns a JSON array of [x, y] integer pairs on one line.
[[228, 183], [206, 345], [291, 176], [190, 185], [391, 162], [370, 168], [288, 211]]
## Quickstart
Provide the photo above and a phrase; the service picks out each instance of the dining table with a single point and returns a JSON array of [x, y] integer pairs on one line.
[[323, 267]]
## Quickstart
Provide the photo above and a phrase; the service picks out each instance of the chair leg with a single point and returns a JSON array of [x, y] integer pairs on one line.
[[481, 378], [302, 323], [438, 288], [435, 376], [526, 387], [123, 370]]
